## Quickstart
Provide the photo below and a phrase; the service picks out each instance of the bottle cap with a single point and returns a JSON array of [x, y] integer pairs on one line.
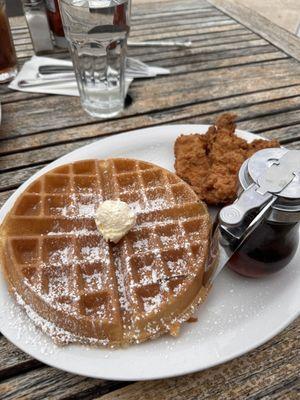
[[270, 182], [286, 208]]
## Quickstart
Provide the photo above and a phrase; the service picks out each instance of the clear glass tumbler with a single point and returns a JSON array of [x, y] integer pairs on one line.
[[8, 59], [97, 32]]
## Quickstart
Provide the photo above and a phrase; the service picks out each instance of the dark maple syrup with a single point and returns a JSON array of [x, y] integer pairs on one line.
[[267, 250]]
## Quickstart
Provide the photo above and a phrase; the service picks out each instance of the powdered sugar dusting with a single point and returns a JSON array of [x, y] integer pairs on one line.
[[157, 204], [123, 300], [74, 232], [82, 275], [59, 335], [93, 281], [29, 332], [177, 267], [86, 210], [167, 240], [152, 303], [141, 245], [91, 254], [62, 256]]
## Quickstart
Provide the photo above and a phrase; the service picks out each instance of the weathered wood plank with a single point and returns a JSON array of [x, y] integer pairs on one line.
[[263, 100], [198, 43], [140, 22], [4, 196], [165, 33], [186, 29], [188, 91], [217, 51], [225, 26], [70, 113], [286, 134], [263, 111], [198, 54], [13, 179], [9, 96], [51, 383], [271, 121], [294, 145], [281, 38], [13, 361], [200, 15], [193, 20], [210, 38], [216, 61], [271, 369], [22, 39], [166, 7]]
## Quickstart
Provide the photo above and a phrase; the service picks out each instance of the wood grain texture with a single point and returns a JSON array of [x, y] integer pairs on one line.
[[281, 38], [269, 372], [69, 113], [50, 383], [13, 360], [246, 106], [269, 89], [232, 66]]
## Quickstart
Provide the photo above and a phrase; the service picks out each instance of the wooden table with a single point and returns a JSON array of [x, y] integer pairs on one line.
[[239, 62]]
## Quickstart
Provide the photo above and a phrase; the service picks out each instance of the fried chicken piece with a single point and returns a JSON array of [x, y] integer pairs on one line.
[[260, 144], [227, 152], [191, 162], [210, 163]]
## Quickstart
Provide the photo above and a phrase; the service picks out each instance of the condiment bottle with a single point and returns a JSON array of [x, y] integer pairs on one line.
[[37, 21], [55, 23], [259, 233], [8, 59]]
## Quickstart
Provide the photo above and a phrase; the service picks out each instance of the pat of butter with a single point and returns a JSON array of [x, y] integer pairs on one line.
[[114, 218]]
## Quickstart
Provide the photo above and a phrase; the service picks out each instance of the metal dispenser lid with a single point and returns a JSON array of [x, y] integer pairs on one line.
[[256, 166], [270, 174]]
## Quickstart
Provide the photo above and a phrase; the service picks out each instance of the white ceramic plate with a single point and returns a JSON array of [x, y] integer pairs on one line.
[[239, 315]]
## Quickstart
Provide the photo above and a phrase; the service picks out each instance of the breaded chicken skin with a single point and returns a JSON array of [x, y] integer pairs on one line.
[[210, 162]]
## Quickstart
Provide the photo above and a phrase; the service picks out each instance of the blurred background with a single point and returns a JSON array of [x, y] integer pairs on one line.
[[14, 7], [285, 13]]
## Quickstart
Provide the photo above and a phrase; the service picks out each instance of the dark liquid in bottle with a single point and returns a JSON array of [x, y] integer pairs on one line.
[[267, 250], [7, 51], [54, 18]]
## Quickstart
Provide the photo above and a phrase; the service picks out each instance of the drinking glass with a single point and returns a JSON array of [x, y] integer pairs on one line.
[[8, 59], [97, 32]]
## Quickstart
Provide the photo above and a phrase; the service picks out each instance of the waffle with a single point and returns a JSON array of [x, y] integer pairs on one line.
[[79, 288]]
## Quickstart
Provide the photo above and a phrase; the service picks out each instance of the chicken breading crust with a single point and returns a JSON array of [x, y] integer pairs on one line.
[[210, 162]]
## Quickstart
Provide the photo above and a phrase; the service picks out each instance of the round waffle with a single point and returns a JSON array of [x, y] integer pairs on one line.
[[79, 288]]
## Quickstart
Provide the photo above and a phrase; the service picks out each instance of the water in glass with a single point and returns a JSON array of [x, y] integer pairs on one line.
[[97, 33]]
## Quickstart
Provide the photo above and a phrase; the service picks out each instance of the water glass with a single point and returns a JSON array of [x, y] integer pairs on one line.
[[97, 32]]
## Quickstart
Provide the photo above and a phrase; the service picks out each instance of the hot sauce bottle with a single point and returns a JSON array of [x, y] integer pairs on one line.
[[55, 23]]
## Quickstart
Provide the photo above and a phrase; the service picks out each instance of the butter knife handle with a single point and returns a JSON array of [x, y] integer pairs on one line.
[[53, 69]]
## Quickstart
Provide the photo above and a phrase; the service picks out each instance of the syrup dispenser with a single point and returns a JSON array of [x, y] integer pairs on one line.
[[258, 234]]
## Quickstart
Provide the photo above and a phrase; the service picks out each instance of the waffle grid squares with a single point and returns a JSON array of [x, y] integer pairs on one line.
[[159, 257]]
